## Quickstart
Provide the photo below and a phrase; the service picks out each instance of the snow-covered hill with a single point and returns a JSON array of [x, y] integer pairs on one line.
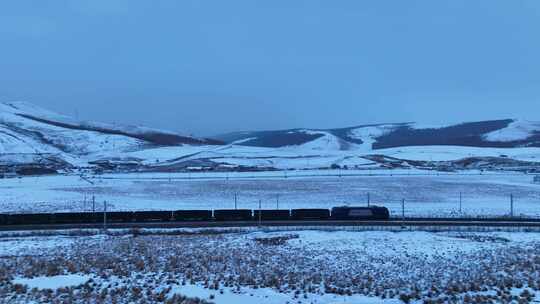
[[33, 139], [27, 131], [499, 144], [495, 134]]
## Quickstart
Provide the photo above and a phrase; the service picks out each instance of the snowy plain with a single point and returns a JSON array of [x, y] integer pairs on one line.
[[425, 194]]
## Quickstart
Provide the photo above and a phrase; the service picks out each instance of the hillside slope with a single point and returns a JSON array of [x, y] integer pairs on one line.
[[506, 133], [27, 130]]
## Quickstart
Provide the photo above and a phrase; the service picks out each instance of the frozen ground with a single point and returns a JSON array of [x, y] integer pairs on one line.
[[271, 267], [425, 195]]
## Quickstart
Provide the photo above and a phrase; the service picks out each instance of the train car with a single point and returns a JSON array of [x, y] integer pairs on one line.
[[192, 215], [310, 214], [360, 213], [28, 219], [74, 217], [272, 215], [118, 216], [381, 213], [152, 216], [233, 215]]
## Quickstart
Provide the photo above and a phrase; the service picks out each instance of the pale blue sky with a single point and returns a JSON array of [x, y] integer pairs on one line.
[[212, 66]]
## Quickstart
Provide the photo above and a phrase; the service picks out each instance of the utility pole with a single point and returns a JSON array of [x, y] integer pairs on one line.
[[460, 201], [105, 215], [260, 213], [368, 199], [277, 201], [93, 203], [511, 205], [235, 201], [403, 209]]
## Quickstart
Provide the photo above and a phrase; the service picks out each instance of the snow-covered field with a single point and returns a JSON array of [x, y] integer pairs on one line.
[[272, 267], [322, 154], [425, 195]]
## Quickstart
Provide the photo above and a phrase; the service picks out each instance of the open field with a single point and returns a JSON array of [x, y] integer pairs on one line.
[[425, 195], [271, 267]]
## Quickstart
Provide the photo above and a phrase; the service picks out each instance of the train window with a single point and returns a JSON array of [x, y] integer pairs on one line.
[[360, 212]]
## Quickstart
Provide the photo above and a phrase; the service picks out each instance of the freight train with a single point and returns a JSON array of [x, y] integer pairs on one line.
[[336, 213]]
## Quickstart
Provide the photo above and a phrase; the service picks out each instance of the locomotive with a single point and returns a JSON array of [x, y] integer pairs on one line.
[[219, 215]]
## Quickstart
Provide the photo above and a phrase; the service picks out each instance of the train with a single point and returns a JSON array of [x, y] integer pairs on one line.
[[219, 215]]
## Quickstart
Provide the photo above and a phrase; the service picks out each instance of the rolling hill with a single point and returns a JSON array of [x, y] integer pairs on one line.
[[508, 133], [33, 135], [37, 141]]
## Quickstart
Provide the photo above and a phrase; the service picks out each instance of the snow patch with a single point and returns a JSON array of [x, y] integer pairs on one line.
[[241, 141], [53, 282], [422, 126], [369, 135], [517, 130], [269, 296]]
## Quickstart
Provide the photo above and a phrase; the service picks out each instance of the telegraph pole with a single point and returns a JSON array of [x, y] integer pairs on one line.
[[93, 203], [260, 213], [277, 201], [511, 205], [235, 200], [460, 201], [368, 199], [105, 215], [403, 209]]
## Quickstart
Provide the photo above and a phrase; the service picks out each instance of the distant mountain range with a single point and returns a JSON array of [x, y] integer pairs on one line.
[[507, 133], [35, 140]]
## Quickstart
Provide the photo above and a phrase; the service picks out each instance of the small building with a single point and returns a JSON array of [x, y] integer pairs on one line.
[[536, 179]]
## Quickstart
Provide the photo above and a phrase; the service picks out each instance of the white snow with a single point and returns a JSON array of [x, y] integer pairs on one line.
[[369, 135], [53, 282], [517, 130], [423, 126], [327, 142], [240, 141], [390, 244], [20, 134], [448, 153], [387, 257], [38, 245], [270, 296], [425, 195], [79, 147], [21, 107]]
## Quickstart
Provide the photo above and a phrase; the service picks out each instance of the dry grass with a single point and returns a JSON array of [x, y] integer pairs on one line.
[[144, 268]]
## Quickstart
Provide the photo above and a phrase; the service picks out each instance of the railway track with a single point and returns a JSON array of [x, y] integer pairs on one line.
[[392, 223]]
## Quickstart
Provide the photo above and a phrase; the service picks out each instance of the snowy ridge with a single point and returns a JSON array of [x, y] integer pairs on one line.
[[28, 110], [27, 130], [506, 133]]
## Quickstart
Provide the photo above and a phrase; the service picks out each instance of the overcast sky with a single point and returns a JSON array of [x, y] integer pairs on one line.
[[213, 66]]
